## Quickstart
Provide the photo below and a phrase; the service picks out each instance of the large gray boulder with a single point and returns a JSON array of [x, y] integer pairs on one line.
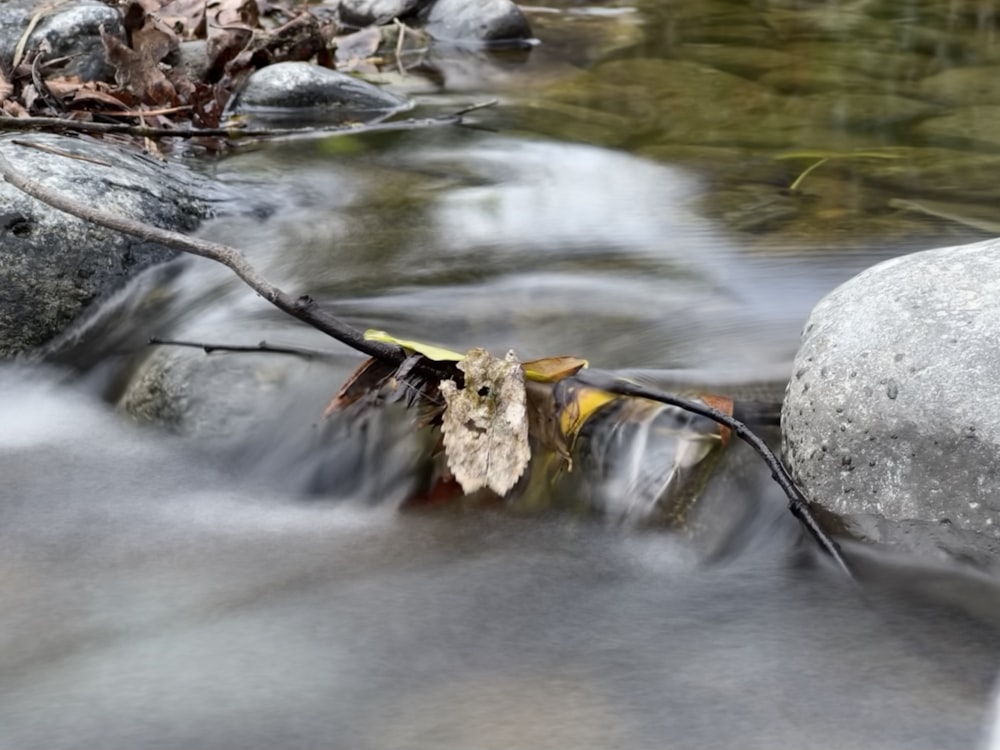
[[54, 267], [892, 417]]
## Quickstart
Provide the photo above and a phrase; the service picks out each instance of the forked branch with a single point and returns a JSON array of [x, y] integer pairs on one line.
[[305, 309], [239, 131]]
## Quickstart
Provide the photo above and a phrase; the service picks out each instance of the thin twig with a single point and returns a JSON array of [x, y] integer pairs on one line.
[[148, 112], [474, 107], [36, 17], [263, 346], [59, 152], [797, 502], [235, 132]]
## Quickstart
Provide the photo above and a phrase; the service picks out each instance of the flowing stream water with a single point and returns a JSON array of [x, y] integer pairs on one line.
[[190, 587]]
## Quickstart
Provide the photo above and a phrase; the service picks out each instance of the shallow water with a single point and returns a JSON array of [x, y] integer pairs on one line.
[[164, 590], [154, 599]]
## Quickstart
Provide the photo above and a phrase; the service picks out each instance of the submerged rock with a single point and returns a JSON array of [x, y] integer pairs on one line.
[[53, 267], [972, 128], [302, 86], [966, 84], [892, 417]]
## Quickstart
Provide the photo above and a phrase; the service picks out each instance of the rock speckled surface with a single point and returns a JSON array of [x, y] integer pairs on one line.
[[893, 410], [54, 266]]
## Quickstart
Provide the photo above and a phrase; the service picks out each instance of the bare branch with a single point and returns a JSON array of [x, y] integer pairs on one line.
[[235, 132], [262, 347], [303, 307]]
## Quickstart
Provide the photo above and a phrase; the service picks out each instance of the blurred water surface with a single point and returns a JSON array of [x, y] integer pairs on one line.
[[630, 201]]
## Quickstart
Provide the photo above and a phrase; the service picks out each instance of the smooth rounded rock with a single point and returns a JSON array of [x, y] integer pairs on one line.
[[483, 21], [376, 12], [299, 85], [893, 410]]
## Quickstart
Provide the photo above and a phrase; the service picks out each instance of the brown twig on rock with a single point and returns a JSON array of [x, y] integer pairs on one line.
[[236, 132]]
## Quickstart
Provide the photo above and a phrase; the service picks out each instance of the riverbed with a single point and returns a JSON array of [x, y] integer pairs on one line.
[[638, 197]]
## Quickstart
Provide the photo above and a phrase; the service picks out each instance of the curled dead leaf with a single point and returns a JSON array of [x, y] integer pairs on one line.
[[138, 74]]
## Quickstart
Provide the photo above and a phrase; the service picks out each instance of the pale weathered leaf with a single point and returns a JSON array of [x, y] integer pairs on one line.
[[485, 424]]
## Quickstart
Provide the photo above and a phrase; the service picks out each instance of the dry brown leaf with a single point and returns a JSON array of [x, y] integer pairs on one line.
[[150, 6], [154, 41], [91, 95], [723, 404], [249, 14], [6, 87], [370, 376], [13, 108], [138, 74], [63, 86], [223, 48], [485, 424], [186, 17]]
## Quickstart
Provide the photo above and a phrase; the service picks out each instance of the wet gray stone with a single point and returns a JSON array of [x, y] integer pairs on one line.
[[303, 86], [369, 12], [53, 267], [72, 30], [893, 410], [484, 21]]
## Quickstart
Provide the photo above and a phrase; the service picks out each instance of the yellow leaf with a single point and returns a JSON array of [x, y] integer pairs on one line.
[[576, 404], [437, 353], [544, 370]]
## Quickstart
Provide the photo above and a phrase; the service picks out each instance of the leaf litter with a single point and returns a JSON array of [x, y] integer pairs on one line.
[[154, 85]]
